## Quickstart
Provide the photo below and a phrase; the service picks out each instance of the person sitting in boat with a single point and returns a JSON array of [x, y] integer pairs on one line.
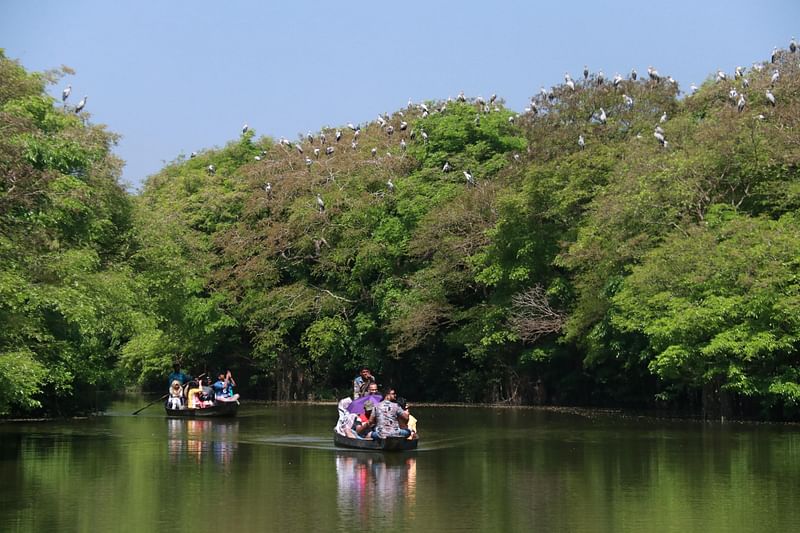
[[178, 375], [223, 388], [386, 418], [361, 426], [193, 394], [362, 382], [411, 424], [175, 400]]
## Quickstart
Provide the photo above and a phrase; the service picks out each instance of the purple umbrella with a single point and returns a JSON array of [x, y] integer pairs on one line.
[[357, 406]]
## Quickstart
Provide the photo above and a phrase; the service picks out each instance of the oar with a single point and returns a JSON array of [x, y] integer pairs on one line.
[[151, 403]]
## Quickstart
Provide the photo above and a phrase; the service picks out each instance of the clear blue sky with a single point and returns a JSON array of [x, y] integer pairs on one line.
[[176, 76]]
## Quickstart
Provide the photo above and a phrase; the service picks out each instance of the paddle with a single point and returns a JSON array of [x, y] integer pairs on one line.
[[151, 403]]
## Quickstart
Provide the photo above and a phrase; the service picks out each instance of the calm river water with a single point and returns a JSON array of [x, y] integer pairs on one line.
[[274, 468]]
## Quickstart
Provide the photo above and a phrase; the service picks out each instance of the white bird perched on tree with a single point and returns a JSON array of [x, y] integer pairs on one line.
[[446, 167], [770, 97], [338, 135], [585, 72], [245, 128], [322, 138], [738, 73], [470, 179], [257, 158], [745, 83], [634, 74], [776, 75], [733, 94], [663, 118], [424, 136], [192, 155], [316, 152], [298, 147], [329, 150], [390, 130], [617, 80], [653, 74], [81, 104], [424, 108], [374, 152], [381, 121], [600, 78], [65, 93], [693, 88], [309, 162], [402, 144], [268, 189], [721, 76], [660, 137], [758, 66], [357, 133], [310, 137], [740, 104], [581, 142], [570, 84], [403, 126], [461, 97], [793, 45], [628, 101], [320, 203], [351, 126], [390, 185], [492, 98], [602, 116], [774, 56], [211, 169]]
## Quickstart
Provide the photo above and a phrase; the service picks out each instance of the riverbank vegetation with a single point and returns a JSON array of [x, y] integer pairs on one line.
[[618, 243]]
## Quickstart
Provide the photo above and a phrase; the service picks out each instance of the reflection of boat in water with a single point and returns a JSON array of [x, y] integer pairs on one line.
[[218, 410], [198, 438], [389, 444], [371, 484]]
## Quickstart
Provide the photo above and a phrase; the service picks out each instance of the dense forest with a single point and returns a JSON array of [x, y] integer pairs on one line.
[[618, 243]]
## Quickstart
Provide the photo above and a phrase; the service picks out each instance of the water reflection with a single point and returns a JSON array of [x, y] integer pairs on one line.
[[374, 484], [196, 439]]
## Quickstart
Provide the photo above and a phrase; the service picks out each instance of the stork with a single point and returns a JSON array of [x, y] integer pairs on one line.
[[374, 152], [774, 56], [721, 76], [403, 126], [402, 144], [775, 76], [298, 147], [585, 72], [446, 167], [309, 162], [792, 46], [245, 128], [628, 101], [740, 103], [653, 74], [329, 150], [660, 137], [211, 169], [268, 189], [81, 104], [602, 117], [617, 80], [316, 152], [634, 74], [581, 142], [320, 203], [470, 179], [663, 118], [770, 97], [338, 135], [65, 93], [310, 137], [390, 185]]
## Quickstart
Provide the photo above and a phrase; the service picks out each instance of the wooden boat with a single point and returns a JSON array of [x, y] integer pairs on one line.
[[218, 410], [389, 444]]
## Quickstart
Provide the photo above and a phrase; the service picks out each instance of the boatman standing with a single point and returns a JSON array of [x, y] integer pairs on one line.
[[361, 383]]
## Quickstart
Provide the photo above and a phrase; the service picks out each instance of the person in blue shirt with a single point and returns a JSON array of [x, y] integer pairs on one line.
[[223, 388], [178, 375]]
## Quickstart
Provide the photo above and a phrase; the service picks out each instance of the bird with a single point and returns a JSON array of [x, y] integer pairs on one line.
[[581, 142], [585, 72], [338, 135], [390, 185], [245, 128], [351, 126], [634, 74], [570, 83], [65, 93], [268, 189], [329, 150], [659, 130], [740, 103], [653, 74], [403, 126], [211, 169], [461, 97], [357, 133], [693, 88], [322, 138], [446, 167], [374, 152], [600, 78], [309, 162], [770, 97], [602, 117], [298, 147], [316, 152], [390, 130], [192, 155], [617, 80], [792, 46], [492, 98], [402, 144], [81, 104], [663, 118], [320, 203], [424, 136], [733, 94], [516, 157], [775, 76], [660, 137], [774, 56], [738, 73], [310, 137], [470, 179], [257, 158], [628, 100], [721, 76], [745, 83]]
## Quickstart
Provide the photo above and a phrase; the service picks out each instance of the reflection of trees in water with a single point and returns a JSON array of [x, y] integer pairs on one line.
[[188, 438], [372, 485]]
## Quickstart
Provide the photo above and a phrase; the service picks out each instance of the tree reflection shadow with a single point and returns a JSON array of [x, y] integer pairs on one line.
[[375, 484]]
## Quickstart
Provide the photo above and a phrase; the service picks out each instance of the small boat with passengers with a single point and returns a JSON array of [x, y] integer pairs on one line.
[[218, 410], [388, 444], [354, 413]]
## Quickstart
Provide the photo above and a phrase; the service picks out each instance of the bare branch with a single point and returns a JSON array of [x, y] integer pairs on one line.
[[532, 316]]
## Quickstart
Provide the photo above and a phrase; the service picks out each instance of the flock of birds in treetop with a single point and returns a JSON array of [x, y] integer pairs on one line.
[[321, 143]]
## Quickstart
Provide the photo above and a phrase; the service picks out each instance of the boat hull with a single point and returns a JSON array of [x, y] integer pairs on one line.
[[390, 444], [220, 410]]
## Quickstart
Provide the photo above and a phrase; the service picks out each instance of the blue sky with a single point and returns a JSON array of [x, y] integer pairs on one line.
[[176, 76]]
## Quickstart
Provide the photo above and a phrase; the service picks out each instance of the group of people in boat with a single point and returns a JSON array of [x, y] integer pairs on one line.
[[186, 392], [378, 415]]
